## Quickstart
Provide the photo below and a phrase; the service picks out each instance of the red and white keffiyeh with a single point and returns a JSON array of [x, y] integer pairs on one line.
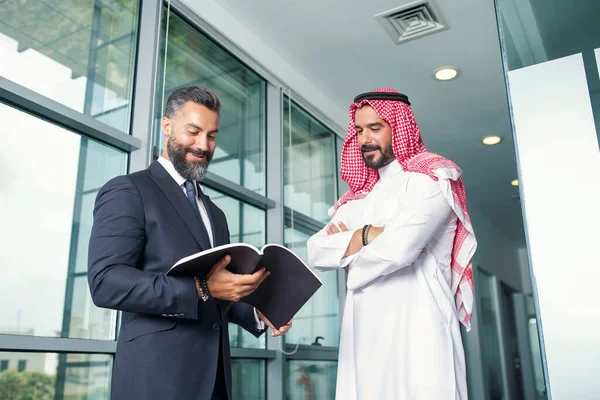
[[414, 157]]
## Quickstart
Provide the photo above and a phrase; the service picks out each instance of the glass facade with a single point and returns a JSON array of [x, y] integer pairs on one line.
[[80, 54], [310, 188], [192, 58], [311, 380], [84, 56], [56, 198], [318, 322], [248, 379], [551, 53], [49, 376], [309, 169]]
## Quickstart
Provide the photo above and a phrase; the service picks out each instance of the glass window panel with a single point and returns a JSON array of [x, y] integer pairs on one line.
[[309, 163], [320, 315], [246, 225], [342, 186], [530, 38], [313, 380], [248, 379], [47, 203], [52, 376], [194, 59], [80, 54]]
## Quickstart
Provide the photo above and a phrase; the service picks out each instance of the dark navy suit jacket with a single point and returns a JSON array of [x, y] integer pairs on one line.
[[168, 345]]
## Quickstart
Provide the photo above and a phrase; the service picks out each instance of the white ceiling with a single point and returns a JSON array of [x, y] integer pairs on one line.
[[344, 51]]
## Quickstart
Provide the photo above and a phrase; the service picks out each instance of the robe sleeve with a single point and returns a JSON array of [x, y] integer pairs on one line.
[[414, 224], [326, 252]]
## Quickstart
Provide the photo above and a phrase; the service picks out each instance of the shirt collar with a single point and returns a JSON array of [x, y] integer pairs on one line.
[[168, 165], [390, 170]]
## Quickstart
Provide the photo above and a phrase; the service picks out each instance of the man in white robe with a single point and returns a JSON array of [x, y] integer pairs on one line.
[[404, 234]]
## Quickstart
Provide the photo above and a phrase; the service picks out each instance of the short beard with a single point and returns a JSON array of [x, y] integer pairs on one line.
[[192, 171], [387, 156]]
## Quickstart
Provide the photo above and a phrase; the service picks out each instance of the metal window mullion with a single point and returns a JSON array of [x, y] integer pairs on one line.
[[275, 221], [49, 110], [303, 222], [313, 353], [237, 191], [262, 354], [342, 275], [19, 343], [144, 89]]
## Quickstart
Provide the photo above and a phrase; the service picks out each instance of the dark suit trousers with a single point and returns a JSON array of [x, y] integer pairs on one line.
[[220, 389]]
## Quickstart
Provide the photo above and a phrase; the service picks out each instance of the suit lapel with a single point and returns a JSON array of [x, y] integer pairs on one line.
[[178, 200]]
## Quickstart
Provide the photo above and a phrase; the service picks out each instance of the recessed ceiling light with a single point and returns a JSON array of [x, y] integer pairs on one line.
[[445, 73], [515, 182], [491, 140]]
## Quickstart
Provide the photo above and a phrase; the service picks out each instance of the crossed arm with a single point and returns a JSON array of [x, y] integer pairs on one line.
[[355, 244], [391, 247]]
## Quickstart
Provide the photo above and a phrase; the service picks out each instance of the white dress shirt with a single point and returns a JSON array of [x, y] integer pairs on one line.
[[168, 165]]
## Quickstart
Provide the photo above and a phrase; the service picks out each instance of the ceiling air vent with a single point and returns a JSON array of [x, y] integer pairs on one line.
[[412, 21]]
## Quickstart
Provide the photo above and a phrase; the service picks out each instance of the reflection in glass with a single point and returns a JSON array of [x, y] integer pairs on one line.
[[248, 379], [530, 37], [313, 380], [342, 186], [194, 59], [320, 315], [47, 199], [246, 225], [538, 369], [490, 341], [51, 376], [80, 54], [309, 163]]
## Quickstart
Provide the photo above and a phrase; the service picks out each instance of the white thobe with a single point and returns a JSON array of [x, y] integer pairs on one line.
[[400, 334]]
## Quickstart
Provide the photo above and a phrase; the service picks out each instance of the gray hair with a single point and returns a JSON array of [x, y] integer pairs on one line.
[[197, 94]]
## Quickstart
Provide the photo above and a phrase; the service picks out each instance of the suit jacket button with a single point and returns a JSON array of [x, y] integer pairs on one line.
[[215, 327]]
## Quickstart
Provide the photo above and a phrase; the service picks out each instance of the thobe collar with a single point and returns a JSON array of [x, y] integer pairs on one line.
[[390, 170]]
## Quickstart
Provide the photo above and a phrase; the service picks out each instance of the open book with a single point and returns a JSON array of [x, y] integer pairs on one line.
[[289, 286]]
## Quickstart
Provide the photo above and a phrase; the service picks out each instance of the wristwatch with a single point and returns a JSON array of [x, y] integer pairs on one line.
[[203, 288]]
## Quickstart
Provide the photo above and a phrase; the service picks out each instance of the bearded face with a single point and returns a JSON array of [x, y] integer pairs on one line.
[[191, 139], [374, 137]]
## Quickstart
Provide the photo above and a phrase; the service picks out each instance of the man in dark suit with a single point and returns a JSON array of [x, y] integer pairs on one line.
[[173, 341]]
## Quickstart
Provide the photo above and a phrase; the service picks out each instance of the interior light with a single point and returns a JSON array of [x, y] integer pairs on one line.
[[491, 140], [515, 182], [446, 73]]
